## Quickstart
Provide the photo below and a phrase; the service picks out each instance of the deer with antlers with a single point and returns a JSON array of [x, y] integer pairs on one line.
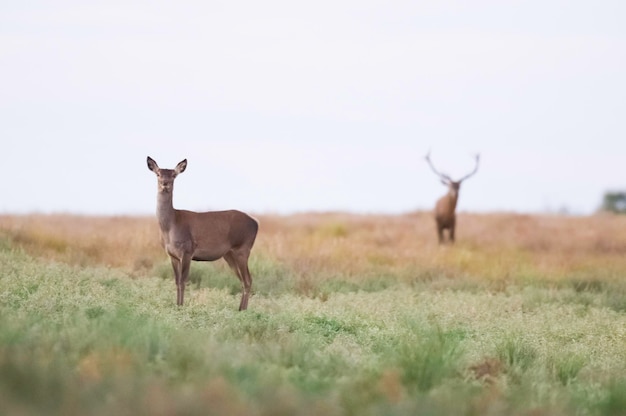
[[445, 209]]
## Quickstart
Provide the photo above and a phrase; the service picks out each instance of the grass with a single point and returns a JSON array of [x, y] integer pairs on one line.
[[351, 315]]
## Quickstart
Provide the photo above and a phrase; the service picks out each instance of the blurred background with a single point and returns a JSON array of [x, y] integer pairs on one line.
[[284, 107]]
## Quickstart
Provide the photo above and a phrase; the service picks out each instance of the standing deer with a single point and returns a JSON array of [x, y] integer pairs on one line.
[[202, 236], [445, 214]]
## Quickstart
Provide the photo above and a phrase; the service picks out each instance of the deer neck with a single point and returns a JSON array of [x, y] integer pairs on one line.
[[165, 210], [453, 197]]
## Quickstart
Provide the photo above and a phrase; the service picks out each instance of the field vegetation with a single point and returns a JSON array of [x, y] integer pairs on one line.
[[351, 314]]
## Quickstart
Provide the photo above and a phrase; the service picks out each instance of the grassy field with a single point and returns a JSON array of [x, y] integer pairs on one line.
[[356, 315]]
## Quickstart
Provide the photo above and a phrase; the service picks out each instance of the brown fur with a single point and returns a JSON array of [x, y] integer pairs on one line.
[[202, 236], [445, 209]]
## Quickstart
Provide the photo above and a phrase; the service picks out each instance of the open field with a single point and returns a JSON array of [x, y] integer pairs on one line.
[[352, 314]]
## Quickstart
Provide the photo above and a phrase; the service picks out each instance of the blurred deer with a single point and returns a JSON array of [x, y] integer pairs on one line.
[[445, 209], [202, 236]]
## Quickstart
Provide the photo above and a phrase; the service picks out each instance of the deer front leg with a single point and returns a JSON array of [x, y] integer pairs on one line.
[[440, 233], [177, 266], [452, 227], [184, 275]]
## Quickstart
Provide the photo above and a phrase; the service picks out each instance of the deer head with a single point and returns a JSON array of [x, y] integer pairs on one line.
[[166, 176], [452, 185]]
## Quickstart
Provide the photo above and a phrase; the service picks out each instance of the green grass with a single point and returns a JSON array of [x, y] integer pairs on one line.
[[76, 341]]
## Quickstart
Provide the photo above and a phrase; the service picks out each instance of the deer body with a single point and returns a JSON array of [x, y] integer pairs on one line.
[[445, 214], [445, 209], [202, 236]]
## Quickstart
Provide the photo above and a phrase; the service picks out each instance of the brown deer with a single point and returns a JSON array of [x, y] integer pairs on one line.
[[445, 214], [202, 236]]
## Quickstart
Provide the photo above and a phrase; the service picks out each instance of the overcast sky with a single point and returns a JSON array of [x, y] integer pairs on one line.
[[284, 106]]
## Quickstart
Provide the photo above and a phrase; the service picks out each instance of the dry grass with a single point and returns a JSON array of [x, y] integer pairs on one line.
[[494, 248], [130, 243], [491, 248], [354, 314]]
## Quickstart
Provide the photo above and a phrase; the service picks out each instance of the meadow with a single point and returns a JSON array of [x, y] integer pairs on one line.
[[351, 315]]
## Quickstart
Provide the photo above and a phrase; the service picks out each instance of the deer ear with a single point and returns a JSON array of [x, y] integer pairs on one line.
[[152, 165], [180, 168]]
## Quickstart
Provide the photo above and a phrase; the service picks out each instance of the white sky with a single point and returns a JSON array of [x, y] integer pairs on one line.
[[281, 106]]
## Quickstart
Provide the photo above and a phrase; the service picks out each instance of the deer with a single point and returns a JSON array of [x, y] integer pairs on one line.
[[202, 236], [445, 209]]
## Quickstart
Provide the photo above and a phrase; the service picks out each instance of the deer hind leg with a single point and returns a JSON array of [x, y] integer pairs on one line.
[[247, 282], [238, 261], [230, 259]]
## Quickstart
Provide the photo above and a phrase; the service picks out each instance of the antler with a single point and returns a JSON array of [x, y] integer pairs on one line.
[[443, 176], [472, 172]]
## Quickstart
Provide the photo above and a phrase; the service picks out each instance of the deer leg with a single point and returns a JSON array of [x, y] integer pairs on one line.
[[248, 286], [246, 279], [230, 259], [184, 275], [452, 227], [232, 263], [235, 264], [440, 233], [176, 265]]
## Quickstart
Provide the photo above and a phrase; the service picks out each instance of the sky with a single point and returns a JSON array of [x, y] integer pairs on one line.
[[283, 106]]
